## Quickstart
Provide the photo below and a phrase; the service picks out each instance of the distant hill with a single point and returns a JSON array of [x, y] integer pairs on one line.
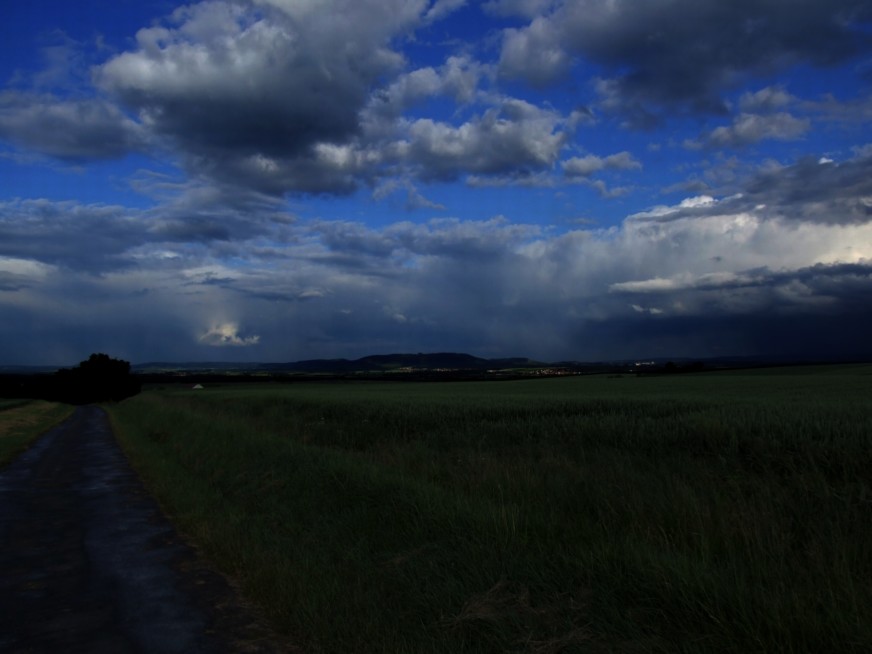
[[436, 362], [14, 379], [217, 366], [372, 363], [389, 362], [420, 362]]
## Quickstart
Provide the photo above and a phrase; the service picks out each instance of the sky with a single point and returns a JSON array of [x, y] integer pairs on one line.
[[276, 180]]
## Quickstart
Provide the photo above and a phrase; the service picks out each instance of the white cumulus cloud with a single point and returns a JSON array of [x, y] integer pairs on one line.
[[227, 335]]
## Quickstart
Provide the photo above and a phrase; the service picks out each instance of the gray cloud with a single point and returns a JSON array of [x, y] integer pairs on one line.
[[458, 78], [100, 238], [511, 139], [811, 190], [516, 136], [441, 237], [270, 94], [21, 274], [815, 191], [442, 8], [413, 198], [819, 284], [683, 55], [522, 8], [70, 130], [225, 78], [769, 98], [329, 169], [529, 179], [748, 129], [534, 53], [10, 282], [91, 238], [590, 164], [857, 111]]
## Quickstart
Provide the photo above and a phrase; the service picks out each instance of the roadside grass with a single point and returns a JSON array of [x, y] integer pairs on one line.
[[724, 512], [22, 421], [12, 403]]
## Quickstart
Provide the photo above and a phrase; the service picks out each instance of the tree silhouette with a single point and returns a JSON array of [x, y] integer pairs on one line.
[[99, 379]]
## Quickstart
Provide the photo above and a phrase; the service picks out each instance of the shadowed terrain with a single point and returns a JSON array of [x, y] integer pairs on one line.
[[91, 565]]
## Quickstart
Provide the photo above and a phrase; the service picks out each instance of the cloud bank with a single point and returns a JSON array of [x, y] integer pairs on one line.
[[714, 274], [565, 180]]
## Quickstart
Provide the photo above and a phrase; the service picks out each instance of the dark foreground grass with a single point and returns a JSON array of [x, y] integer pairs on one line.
[[711, 513], [22, 421]]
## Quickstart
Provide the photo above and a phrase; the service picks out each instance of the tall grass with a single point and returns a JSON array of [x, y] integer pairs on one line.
[[713, 513]]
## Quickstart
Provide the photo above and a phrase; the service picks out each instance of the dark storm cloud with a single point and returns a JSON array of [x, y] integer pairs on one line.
[[230, 77], [810, 336], [812, 312], [70, 130], [683, 54], [124, 326], [282, 96], [269, 94]]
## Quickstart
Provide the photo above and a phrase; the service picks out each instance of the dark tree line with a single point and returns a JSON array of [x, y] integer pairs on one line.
[[99, 379]]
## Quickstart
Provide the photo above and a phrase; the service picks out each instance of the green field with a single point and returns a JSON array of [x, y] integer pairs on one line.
[[716, 512], [22, 421]]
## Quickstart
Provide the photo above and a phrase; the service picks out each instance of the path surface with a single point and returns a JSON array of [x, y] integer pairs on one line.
[[89, 564]]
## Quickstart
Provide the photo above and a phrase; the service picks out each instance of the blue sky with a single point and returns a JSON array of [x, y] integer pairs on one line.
[[287, 179]]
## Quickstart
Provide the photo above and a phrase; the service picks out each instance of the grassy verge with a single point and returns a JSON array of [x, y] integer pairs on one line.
[[22, 421], [712, 513]]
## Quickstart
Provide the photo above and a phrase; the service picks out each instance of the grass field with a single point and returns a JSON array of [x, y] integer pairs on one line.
[[22, 421], [717, 512]]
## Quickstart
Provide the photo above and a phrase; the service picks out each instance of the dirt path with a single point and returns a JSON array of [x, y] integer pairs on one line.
[[88, 563]]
